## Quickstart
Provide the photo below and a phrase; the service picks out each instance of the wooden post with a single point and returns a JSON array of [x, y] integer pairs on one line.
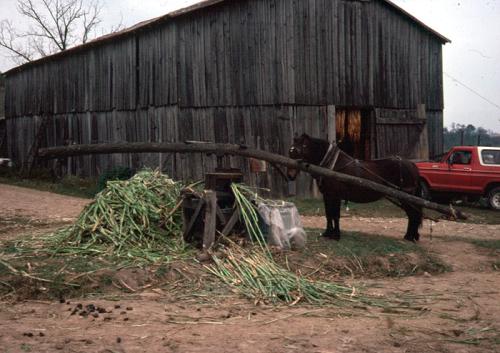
[[332, 127], [189, 223], [210, 219]]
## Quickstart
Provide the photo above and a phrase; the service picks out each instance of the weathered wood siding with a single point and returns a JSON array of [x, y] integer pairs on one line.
[[435, 131], [240, 53], [268, 128], [223, 73]]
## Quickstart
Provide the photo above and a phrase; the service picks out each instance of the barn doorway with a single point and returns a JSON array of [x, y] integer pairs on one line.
[[353, 132]]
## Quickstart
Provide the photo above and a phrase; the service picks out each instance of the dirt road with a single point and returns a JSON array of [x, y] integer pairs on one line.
[[459, 310], [22, 202]]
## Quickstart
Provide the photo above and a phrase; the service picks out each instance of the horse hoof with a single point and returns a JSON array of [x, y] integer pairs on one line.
[[410, 238], [327, 234]]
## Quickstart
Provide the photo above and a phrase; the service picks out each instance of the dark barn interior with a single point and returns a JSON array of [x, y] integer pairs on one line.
[[241, 71]]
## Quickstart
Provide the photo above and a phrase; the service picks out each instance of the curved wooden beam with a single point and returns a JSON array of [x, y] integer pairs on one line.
[[243, 151]]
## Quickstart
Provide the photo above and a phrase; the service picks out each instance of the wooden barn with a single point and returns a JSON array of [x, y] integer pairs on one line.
[[3, 132], [243, 71]]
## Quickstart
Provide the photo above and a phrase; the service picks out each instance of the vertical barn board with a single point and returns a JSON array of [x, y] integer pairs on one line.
[[273, 54], [321, 51], [102, 137], [218, 28], [199, 68], [235, 68], [302, 124], [168, 133], [10, 125], [290, 49], [246, 82], [228, 63], [358, 59], [187, 78], [298, 52], [198, 168], [283, 141], [85, 126], [153, 136], [267, 140], [341, 52], [185, 128], [15, 139], [239, 133], [255, 51], [211, 60], [249, 141], [435, 131], [130, 135], [260, 141], [144, 125], [221, 132]]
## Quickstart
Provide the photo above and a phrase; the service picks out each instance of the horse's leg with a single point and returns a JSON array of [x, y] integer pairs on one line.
[[337, 205], [328, 233], [415, 217]]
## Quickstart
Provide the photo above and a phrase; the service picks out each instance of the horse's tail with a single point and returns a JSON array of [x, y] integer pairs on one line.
[[418, 192], [418, 189]]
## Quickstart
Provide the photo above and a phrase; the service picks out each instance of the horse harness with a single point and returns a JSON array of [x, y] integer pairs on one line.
[[330, 160]]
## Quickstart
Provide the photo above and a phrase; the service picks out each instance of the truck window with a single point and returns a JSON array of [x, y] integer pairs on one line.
[[491, 157], [461, 157]]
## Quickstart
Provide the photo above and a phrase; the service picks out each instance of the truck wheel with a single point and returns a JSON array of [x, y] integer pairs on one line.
[[494, 198], [424, 191]]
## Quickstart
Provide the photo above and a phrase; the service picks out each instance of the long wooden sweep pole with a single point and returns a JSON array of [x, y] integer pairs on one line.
[[243, 151]]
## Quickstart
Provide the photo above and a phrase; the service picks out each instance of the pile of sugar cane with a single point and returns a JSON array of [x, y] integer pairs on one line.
[[136, 218]]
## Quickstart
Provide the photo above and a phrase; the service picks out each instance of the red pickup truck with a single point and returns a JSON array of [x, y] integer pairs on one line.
[[463, 171]]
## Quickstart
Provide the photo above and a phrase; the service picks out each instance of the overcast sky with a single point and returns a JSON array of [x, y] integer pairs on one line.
[[471, 61]]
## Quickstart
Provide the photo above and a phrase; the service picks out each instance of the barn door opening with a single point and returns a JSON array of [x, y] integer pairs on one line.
[[353, 129]]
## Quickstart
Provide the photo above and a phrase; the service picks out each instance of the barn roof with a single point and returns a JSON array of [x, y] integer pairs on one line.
[[186, 10]]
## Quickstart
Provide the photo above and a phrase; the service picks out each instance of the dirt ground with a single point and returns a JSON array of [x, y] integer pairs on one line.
[[40, 205], [459, 310]]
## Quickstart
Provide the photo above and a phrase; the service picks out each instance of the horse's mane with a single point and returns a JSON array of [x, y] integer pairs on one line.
[[316, 140]]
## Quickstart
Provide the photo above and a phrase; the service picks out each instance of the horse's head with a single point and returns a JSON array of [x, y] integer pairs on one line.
[[300, 150]]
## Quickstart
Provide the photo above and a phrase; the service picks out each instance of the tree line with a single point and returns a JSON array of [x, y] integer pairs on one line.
[[469, 135]]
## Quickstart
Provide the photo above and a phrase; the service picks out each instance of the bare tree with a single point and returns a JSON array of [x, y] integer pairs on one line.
[[54, 25]]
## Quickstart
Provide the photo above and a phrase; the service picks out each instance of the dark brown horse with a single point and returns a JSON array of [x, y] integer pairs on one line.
[[394, 172]]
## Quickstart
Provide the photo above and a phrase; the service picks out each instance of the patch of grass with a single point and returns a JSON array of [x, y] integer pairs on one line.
[[382, 208], [309, 207], [25, 347], [70, 185], [487, 244], [364, 255], [360, 244]]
